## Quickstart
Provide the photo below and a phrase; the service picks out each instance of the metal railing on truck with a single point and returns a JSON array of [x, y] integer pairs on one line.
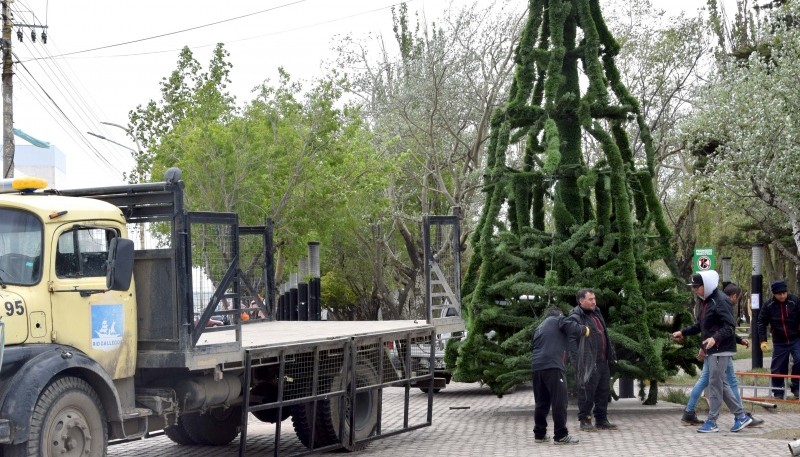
[[191, 252], [317, 380], [442, 251]]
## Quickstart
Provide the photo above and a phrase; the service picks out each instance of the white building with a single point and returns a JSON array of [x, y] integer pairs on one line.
[[47, 163]]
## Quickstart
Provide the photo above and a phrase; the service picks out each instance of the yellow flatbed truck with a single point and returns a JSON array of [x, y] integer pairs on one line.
[[106, 340]]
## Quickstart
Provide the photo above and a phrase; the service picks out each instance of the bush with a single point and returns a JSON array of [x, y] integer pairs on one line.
[[678, 396]]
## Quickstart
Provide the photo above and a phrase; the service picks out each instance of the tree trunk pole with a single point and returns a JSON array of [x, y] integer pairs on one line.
[[8, 99]]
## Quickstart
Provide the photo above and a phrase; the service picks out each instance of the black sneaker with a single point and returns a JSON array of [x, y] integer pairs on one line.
[[606, 425], [541, 440], [690, 418], [569, 439], [755, 421], [586, 426]]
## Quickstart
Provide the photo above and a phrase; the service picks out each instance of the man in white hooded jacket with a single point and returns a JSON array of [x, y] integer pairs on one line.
[[716, 327]]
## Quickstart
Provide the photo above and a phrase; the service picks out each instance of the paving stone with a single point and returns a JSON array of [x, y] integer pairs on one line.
[[468, 420]]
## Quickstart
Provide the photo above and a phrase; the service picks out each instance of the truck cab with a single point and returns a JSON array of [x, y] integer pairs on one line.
[[53, 255], [59, 314]]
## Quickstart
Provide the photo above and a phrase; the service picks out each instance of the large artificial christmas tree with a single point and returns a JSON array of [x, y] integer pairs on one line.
[[558, 218]]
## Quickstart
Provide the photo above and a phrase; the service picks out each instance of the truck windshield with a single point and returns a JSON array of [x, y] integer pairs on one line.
[[20, 247]]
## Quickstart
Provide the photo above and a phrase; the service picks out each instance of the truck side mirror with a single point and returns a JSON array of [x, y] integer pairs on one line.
[[120, 264]]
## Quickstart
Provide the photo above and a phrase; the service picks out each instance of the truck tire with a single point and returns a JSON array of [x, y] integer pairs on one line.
[[269, 394], [301, 421], [68, 420], [177, 433], [366, 412], [217, 427], [329, 411], [425, 390]]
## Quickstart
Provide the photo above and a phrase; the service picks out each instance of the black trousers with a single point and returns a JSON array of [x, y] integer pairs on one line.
[[550, 389], [593, 397]]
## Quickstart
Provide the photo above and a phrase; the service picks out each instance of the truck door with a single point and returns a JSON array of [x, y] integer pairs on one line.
[[21, 234], [98, 322]]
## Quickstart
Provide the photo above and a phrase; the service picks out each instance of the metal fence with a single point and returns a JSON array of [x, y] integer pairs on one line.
[[328, 386]]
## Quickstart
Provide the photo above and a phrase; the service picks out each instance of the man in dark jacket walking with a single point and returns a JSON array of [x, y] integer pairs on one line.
[[782, 314], [591, 363], [549, 375], [717, 330]]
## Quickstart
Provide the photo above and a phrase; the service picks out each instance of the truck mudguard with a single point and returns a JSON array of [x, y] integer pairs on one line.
[[37, 365]]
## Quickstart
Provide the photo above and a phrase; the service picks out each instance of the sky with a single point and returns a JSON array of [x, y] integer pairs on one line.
[[103, 58]]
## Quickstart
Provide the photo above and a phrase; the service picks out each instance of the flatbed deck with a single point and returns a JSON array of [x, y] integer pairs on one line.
[[220, 347], [281, 333]]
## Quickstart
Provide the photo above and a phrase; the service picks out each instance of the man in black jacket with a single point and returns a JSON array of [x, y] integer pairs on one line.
[[717, 330], [592, 363], [549, 380], [782, 315]]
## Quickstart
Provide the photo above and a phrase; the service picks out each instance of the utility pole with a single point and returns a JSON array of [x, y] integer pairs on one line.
[[8, 96]]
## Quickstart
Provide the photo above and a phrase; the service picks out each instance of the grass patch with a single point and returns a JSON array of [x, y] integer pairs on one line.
[[742, 354], [670, 395], [682, 379]]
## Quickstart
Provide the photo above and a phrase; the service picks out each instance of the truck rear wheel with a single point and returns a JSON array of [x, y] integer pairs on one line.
[[425, 390], [216, 427], [177, 433], [68, 420], [268, 393], [329, 411]]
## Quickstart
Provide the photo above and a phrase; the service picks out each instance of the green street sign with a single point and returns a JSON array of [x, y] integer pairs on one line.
[[703, 259]]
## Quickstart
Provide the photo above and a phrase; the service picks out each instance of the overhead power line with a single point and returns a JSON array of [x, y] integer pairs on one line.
[[67, 118], [255, 37], [181, 31]]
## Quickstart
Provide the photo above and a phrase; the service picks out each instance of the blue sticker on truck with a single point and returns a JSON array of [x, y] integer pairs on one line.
[[107, 327]]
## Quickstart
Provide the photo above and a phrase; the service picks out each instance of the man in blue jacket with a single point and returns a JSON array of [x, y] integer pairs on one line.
[[549, 375], [782, 314], [717, 330]]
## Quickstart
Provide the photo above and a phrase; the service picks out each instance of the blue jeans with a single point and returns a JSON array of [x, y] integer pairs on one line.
[[702, 383]]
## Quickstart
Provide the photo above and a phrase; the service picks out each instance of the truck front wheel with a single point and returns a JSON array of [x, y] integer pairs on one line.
[[68, 420]]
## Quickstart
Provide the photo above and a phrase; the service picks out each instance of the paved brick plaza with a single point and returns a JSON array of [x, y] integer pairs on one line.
[[470, 421]]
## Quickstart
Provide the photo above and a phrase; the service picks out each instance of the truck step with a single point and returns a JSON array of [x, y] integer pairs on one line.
[[136, 412]]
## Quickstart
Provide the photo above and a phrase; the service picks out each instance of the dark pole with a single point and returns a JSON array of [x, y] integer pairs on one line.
[[756, 286], [286, 313], [302, 290], [314, 311], [293, 308], [8, 96]]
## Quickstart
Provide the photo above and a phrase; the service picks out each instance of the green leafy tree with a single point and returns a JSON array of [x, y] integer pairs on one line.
[[746, 132], [301, 158], [555, 220]]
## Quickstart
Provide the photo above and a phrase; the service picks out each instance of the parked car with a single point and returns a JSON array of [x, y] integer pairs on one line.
[[420, 357]]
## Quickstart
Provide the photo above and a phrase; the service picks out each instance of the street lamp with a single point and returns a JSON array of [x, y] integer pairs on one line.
[[142, 226], [110, 141], [132, 134]]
